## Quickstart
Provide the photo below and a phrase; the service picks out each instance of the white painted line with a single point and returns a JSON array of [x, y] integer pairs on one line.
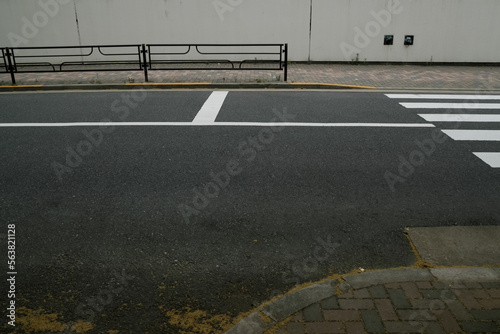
[[443, 96], [491, 158], [487, 135], [208, 113], [370, 125], [460, 118], [438, 105], [104, 124], [276, 124]]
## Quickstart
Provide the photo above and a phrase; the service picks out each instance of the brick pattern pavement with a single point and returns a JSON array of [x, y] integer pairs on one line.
[[380, 76], [410, 307]]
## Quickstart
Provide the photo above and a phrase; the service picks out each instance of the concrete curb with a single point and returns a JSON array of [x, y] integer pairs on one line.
[[194, 85], [289, 304], [431, 90], [213, 86]]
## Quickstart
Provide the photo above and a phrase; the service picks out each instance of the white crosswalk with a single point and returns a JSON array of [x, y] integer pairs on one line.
[[443, 96], [443, 105], [460, 118], [460, 112], [486, 135], [491, 158]]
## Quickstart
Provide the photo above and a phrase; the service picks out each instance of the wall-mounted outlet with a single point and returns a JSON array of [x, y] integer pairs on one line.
[[409, 39]]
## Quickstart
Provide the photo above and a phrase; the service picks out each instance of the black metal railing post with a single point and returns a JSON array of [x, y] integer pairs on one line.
[[144, 62], [11, 67], [286, 62]]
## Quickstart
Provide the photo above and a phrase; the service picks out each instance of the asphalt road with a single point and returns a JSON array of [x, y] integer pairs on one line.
[[125, 226]]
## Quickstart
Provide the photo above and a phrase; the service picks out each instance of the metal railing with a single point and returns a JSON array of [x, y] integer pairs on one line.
[[3, 65], [7, 64], [141, 57], [39, 59]]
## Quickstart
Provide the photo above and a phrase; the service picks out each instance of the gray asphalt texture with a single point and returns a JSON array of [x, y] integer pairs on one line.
[[305, 203]]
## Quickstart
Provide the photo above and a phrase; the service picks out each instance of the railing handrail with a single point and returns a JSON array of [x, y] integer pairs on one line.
[[72, 46], [202, 44]]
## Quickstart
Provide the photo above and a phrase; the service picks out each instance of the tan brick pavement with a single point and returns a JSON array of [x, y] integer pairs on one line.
[[380, 76]]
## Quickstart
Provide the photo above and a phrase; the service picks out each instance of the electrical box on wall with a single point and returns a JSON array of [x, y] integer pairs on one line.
[[409, 39], [388, 39]]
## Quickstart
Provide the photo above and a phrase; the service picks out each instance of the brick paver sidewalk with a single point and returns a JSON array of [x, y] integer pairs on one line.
[[390, 301], [380, 76], [430, 307]]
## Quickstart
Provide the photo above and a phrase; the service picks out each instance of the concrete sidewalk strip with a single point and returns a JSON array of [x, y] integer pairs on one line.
[[438, 245], [364, 280], [466, 274], [289, 304]]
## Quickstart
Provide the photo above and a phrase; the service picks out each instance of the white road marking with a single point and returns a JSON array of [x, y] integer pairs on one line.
[[276, 124], [443, 105], [491, 158], [210, 109], [460, 118], [487, 135], [443, 96]]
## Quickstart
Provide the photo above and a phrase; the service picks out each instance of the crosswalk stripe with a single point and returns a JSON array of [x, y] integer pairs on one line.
[[443, 96], [460, 118], [487, 135], [491, 158], [443, 105]]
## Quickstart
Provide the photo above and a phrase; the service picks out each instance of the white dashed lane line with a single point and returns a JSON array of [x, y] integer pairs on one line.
[[210, 109]]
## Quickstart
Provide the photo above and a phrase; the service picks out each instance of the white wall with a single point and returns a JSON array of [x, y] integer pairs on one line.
[[446, 30]]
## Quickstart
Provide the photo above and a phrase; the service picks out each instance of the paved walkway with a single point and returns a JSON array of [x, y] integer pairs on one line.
[[447, 300], [379, 76]]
